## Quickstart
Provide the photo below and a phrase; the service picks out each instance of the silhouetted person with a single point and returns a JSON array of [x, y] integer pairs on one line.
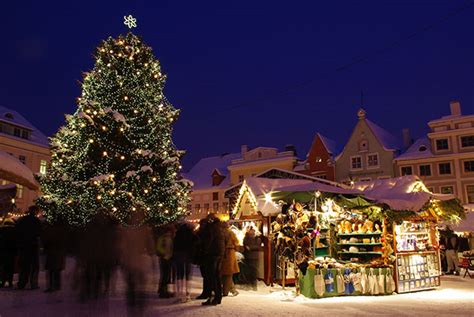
[[213, 250], [199, 259], [452, 247], [251, 248], [54, 238], [183, 248], [7, 252], [28, 234]]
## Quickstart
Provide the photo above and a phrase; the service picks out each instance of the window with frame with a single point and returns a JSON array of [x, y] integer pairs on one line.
[[467, 141], [197, 208], [241, 178], [447, 190], [470, 194], [24, 134], [372, 160], [16, 132], [318, 159], [444, 168], [22, 158], [406, 170], [442, 144], [206, 207], [215, 196], [468, 166], [356, 162], [225, 206], [19, 191], [365, 179], [43, 167], [425, 170], [215, 207]]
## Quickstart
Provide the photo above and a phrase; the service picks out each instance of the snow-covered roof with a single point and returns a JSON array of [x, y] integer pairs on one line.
[[316, 186], [330, 145], [465, 225], [12, 170], [15, 118], [420, 149], [261, 186], [201, 173], [388, 141], [401, 193]]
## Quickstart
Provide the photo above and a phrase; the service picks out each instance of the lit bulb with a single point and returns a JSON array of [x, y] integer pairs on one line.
[[112, 192], [120, 42], [96, 182], [149, 120], [108, 65], [166, 211], [180, 167], [111, 52], [139, 151], [114, 209], [120, 54], [104, 127], [154, 179], [125, 98], [156, 76], [138, 73], [122, 157], [102, 49], [133, 208], [138, 50], [105, 153], [99, 197], [161, 205], [95, 112], [60, 160], [146, 64], [147, 85], [88, 111], [83, 125], [146, 191], [121, 129], [112, 175], [135, 111], [91, 141], [130, 58], [147, 208]]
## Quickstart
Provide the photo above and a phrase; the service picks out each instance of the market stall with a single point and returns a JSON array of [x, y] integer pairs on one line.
[[369, 239]]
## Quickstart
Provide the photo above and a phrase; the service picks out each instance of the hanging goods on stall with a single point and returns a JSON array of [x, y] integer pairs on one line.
[[340, 282], [381, 281], [349, 287], [389, 282], [319, 283], [364, 281], [329, 281]]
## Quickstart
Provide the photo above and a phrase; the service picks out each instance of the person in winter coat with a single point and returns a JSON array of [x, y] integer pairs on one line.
[[213, 246], [229, 263], [199, 259], [54, 237], [251, 248], [452, 246], [28, 231], [7, 252], [183, 249]]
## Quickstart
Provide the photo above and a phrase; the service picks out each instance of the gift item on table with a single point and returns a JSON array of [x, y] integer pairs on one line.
[[319, 283], [389, 282], [364, 282], [381, 282], [373, 283], [348, 286], [340, 282], [329, 281]]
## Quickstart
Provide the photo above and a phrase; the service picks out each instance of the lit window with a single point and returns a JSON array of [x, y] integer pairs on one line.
[[425, 170], [225, 206], [241, 178], [469, 166], [215, 196], [43, 165], [444, 168], [206, 207], [467, 141], [197, 208], [19, 191], [372, 160], [318, 159], [215, 207], [406, 170], [442, 144], [447, 190], [356, 162]]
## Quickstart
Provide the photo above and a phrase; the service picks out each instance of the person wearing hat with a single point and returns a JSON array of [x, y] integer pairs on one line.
[[7, 252]]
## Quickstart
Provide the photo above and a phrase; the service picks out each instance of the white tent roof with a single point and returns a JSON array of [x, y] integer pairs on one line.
[[401, 193], [14, 171]]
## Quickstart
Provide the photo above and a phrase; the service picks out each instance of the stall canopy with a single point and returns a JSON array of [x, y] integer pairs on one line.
[[12, 170], [401, 193]]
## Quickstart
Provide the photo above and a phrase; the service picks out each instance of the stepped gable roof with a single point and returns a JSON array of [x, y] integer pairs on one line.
[[15, 118], [201, 173]]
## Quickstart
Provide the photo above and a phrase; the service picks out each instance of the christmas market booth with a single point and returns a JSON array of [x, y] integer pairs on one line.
[[373, 238]]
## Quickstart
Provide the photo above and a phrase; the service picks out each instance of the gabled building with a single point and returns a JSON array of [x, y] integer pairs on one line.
[[444, 159], [320, 160], [21, 139], [368, 154]]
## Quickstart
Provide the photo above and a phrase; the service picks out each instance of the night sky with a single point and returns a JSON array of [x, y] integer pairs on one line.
[[262, 73]]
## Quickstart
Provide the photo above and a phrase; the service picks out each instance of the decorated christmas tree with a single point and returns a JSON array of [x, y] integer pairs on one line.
[[115, 154]]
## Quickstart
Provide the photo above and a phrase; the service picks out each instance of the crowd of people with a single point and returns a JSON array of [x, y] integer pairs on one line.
[[103, 247]]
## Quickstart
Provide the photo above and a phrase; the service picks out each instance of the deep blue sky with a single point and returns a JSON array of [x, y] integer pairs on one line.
[[262, 73]]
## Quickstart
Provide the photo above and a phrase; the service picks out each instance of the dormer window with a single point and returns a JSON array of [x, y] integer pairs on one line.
[[422, 148], [8, 115]]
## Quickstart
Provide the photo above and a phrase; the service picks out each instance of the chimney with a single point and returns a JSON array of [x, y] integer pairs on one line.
[[361, 114], [455, 108], [407, 140], [243, 149], [290, 148]]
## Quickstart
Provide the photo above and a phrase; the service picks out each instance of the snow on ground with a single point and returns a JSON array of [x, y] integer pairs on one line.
[[454, 298]]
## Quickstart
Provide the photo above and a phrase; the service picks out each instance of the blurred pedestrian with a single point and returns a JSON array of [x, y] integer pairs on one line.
[[164, 250], [28, 231], [452, 246], [199, 259], [183, 248], [229, 263], [7, 252], [54, 238], [213, 251]]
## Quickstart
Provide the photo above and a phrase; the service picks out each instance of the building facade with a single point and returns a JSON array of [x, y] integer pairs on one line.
[[444, 159], [320, 160], [19, 138], [368, 154]]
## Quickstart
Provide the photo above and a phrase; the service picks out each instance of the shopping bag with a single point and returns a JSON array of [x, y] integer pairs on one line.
[[389, 282], [319, 283], [348, 285], [329, 281], [356, 280], [373, 284], [340, 282], [381, 282], [364, 282]]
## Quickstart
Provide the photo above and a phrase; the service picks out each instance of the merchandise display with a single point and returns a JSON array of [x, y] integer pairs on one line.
[[418, 271]]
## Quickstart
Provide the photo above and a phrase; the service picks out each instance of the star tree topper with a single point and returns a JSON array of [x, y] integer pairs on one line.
[[130, 21]]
